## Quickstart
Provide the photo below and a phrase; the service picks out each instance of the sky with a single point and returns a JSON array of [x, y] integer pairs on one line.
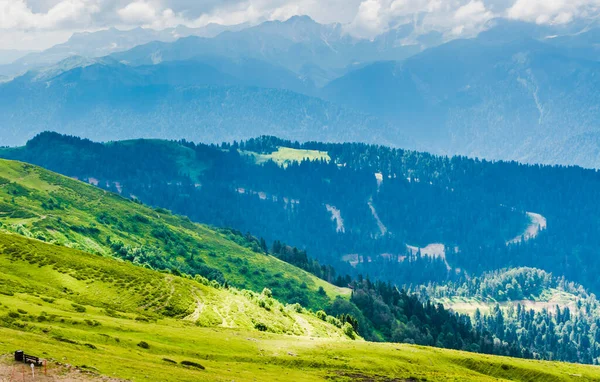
[[39, 24]]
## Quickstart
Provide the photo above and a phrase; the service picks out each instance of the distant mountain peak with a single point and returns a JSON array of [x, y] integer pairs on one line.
[[300, 19]]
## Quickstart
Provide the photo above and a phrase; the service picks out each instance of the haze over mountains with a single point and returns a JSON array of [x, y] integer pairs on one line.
[[518, 91]]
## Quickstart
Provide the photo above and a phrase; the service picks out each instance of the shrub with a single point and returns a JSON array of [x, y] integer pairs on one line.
[[321, 315], [192, 364], [348, 330], [66, 340], [261, 327], [297, 308], [79, 308], [334, 321], [144, 345]]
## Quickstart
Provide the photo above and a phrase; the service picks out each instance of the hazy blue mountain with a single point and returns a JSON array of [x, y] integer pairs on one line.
[[7, 56], [190, 100], [102, 43], [495, 96], [314, 51]]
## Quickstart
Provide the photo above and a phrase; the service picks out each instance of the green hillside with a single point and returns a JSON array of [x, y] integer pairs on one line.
[[112, 318], [109, 317], [69, 285], [52, 208]]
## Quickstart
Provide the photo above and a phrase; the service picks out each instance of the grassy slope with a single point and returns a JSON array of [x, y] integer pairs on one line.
[[43, 288], [55, 278], [25, 208]]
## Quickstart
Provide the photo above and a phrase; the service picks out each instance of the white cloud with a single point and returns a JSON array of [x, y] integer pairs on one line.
[[471, 17], [137, 12], [16, 14], [553, 11], [363, 18], [369, 20], [450, 16]]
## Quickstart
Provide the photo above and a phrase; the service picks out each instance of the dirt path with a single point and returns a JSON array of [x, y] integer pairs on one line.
[[198, 311], [11, 371], [308, 329]]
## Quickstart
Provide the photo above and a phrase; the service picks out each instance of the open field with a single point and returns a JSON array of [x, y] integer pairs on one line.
[[228, 354], [285, 155], [549, 300]]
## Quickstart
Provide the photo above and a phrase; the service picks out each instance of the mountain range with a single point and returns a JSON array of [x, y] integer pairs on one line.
[[100, 43]]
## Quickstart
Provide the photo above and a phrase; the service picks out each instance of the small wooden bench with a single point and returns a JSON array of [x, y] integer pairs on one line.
[[20, 356]]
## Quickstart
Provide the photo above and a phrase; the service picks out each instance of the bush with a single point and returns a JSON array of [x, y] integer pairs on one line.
[[192, 364], [297, 308], [334, 321], [144, 345], [348, 330], [267, 292], [79, 308], [261, 327], [321, 315]]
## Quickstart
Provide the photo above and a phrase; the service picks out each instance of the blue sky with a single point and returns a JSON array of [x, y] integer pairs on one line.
[[37, 24]]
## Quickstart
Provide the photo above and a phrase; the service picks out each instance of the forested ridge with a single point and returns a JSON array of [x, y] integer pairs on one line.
[[549, 317], [467, 204], [222, 186]]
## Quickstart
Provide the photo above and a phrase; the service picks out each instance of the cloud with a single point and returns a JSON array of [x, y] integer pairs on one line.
[[454, 17], [361, 18], [16, 14], [369, 20], [471, 17], [553, 11], [137, 12]]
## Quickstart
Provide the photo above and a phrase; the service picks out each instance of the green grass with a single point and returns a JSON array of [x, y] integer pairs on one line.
[[63, 281], [49, 207], [285, 155], [241, 355], [124, 321]]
